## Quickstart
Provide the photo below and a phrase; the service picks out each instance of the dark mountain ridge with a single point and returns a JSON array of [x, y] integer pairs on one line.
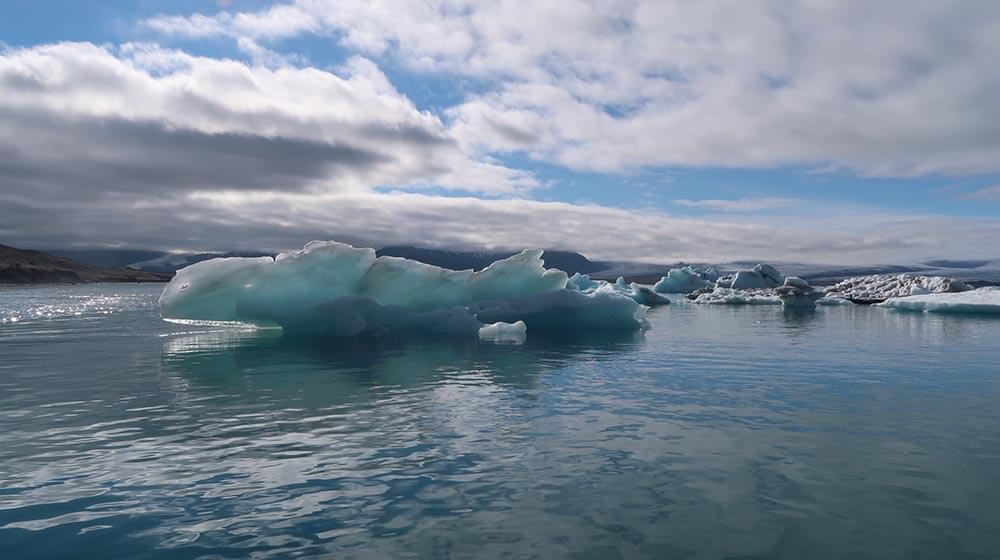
[[21, 266], [567, 261]]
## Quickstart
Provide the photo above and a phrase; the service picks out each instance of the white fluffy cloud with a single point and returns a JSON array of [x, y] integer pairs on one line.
[[905, 87], [141, 117], [146, 146]]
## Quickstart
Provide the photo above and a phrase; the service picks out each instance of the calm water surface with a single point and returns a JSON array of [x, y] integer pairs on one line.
[[721, 433]]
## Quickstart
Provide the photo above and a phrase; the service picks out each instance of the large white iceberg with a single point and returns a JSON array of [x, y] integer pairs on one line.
[[333, 289], [982, 300]]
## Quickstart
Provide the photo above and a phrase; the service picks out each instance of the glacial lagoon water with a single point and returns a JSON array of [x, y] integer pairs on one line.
[[722, 432]]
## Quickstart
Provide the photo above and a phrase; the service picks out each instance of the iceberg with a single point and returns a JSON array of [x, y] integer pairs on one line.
[[647, 296], [759, 277], [582, 283], [685, 280], [730, 296], [880, 287], [796, 292], [642, 295], [981, 300], [765, 289], [331, 289]]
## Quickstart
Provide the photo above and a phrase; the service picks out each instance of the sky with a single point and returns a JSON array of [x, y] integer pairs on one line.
[[846, 131]]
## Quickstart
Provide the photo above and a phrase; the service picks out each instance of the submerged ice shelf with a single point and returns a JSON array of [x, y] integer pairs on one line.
[[332, 289]]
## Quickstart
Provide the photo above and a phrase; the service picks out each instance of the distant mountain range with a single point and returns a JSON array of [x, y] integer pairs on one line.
[[169, 263], [566, 261], [20, 266], [978, 272], [116, 258]]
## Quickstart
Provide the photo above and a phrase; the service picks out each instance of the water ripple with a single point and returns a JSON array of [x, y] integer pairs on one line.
[[853, 432]]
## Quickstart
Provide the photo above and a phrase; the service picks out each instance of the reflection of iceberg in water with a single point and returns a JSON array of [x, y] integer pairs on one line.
[[264, 362], [359, 438], [798, 315]]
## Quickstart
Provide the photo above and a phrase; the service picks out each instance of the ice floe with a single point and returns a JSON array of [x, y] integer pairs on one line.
[[880, 287], [729, 296], [981, 300]]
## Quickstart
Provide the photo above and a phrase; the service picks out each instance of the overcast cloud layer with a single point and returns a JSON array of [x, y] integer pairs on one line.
[[144, 145]]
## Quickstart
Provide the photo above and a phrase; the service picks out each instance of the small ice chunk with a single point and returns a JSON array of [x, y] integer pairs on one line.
[[796, 292], [685, 280], [640, 294], [647, 296], [504, 331], [760, 277], [797, 282]]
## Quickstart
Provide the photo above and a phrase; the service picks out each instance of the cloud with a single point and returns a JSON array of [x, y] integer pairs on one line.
[[900, 88], [256, 220], [151, 147], [89, 157], [83, 118], [741, 205]]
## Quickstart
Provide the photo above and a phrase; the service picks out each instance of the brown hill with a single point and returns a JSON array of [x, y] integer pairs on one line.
[[21, 266]]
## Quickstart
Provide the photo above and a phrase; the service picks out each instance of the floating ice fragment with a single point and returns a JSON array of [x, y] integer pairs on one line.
[[685, 280], [504, 331], [880, 287], [982, 300], [642, 295], [761, 276], [796, 292], [721, 296]]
